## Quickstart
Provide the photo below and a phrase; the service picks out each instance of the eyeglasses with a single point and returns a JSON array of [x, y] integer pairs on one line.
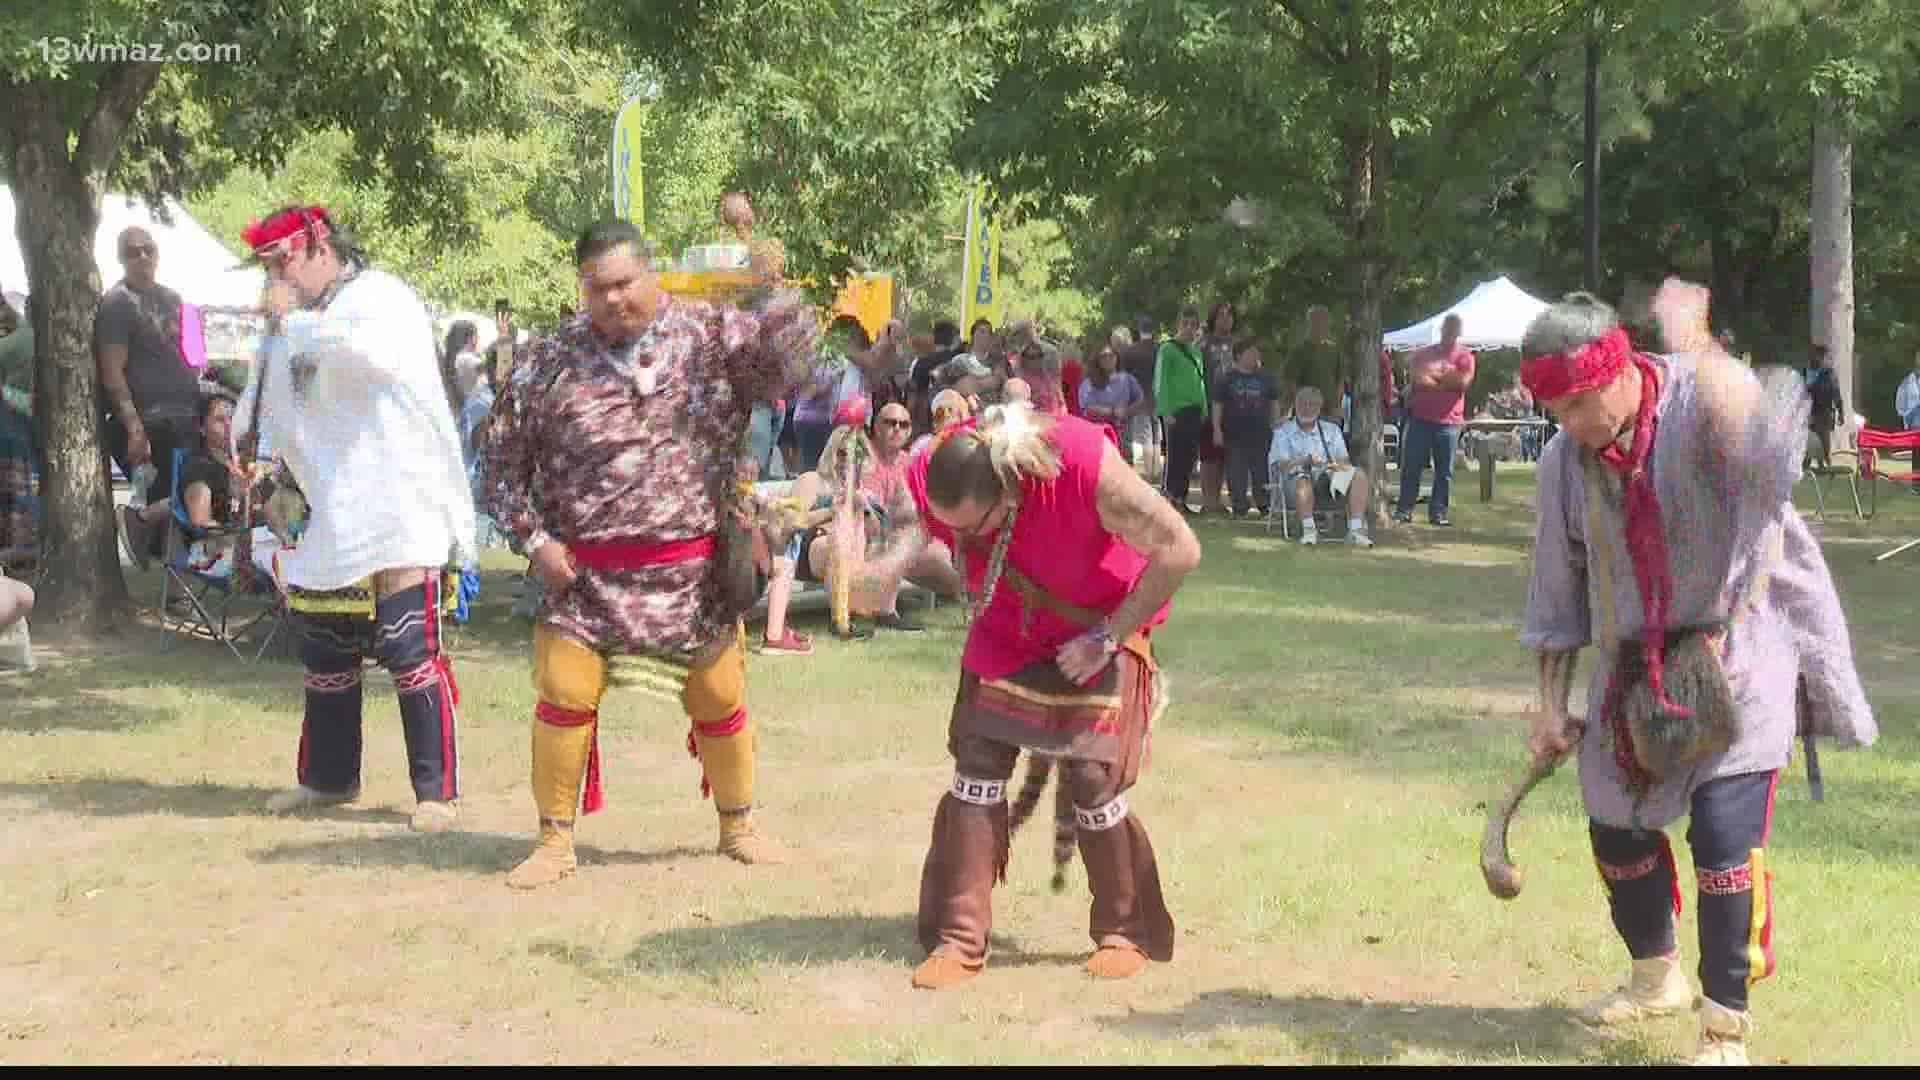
[[892, 423], [136, 251], [979, 528]]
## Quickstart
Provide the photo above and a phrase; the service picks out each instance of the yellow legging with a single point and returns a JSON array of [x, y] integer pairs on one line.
[[571, 678]]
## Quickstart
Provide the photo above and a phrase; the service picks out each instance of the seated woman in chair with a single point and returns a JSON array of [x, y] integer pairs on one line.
[[799, 536], [206, 489], [797, 532], [19, 455], [784, 526]]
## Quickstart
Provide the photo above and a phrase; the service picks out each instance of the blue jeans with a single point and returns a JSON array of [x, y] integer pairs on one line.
[[1426, 441], [763, 434]]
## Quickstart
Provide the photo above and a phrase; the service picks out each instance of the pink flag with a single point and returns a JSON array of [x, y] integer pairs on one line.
[[193, 337]]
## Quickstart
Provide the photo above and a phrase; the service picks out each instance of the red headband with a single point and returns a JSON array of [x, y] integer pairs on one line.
[[1590, 367], [287, 227]]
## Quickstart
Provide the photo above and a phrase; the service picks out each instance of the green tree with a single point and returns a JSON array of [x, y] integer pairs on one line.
[[847, 111], [1344, 128], [1709, 118], [393, 74]]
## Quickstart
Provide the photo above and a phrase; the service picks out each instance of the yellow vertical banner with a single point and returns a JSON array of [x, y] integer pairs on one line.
[[980, 296], [629, 181]]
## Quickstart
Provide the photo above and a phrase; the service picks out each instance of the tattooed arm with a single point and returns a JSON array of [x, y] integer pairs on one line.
[[1148, 523]]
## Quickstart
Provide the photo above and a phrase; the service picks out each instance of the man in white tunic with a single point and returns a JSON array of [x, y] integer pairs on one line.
[[348, 393]]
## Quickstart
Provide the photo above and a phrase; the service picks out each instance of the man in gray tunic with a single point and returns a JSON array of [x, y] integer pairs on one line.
[[1668, 540]]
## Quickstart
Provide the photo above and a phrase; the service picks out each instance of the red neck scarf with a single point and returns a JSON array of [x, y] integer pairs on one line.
[[1646, 535], [1592, 367]]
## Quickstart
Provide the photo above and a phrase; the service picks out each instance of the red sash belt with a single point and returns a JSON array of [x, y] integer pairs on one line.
[[613, 556]]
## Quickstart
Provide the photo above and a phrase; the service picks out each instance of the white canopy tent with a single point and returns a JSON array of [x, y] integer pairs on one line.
[[192, 262], [1495, 315]]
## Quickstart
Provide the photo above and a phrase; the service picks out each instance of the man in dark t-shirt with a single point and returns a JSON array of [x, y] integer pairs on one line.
[[946, 345], [1245, 410], [1138, 359], [151, 395]]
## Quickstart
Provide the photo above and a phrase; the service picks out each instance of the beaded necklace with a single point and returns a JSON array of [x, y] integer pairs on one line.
[[996, 563]]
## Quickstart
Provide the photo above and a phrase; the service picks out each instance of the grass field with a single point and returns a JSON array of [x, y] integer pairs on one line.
[[1315, 796]]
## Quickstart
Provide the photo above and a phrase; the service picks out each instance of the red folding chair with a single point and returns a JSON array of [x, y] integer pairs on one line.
[[1871, 442]]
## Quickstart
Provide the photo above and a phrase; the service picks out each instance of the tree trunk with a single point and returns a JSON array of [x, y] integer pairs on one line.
[[1592, 155], [1367, 146], [1831, 232], [80, 585]]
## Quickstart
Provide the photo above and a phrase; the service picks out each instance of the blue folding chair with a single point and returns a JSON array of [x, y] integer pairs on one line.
[[209, 597]]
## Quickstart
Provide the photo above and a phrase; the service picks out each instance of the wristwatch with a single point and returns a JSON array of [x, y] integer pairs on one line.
[[1103, 634]]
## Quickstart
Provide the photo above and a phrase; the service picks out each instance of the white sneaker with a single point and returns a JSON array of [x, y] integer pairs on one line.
[[434, 817], [1656, 987], [1309, 534], [1359, 538], [1723, 1035]]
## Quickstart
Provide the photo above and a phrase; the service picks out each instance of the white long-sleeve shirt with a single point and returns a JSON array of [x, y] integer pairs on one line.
[[355, 406]]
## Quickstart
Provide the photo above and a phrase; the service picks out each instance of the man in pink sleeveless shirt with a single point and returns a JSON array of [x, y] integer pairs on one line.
[[1072, 560]]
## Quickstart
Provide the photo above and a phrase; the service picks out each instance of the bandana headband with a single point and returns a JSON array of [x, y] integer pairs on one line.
[[286, 230], [1590, 367]]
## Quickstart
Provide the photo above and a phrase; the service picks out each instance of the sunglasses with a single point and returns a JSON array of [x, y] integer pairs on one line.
[[136, 251], [892, 423]]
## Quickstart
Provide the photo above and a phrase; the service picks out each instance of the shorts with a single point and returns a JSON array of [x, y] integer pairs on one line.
[[798, 550], [1326, 482]]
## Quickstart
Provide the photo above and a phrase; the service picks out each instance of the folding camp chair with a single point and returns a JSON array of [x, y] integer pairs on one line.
[[208, 597], [1871, 443], [1281, 505]]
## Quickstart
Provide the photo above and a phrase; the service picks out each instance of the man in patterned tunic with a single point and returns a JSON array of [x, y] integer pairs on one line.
[[1667, 537], [613, 460]]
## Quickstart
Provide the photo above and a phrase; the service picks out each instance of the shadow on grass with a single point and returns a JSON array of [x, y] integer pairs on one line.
[[786, 941], [119, 796], [1349, 1031], [80, 710], [469, 852]]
